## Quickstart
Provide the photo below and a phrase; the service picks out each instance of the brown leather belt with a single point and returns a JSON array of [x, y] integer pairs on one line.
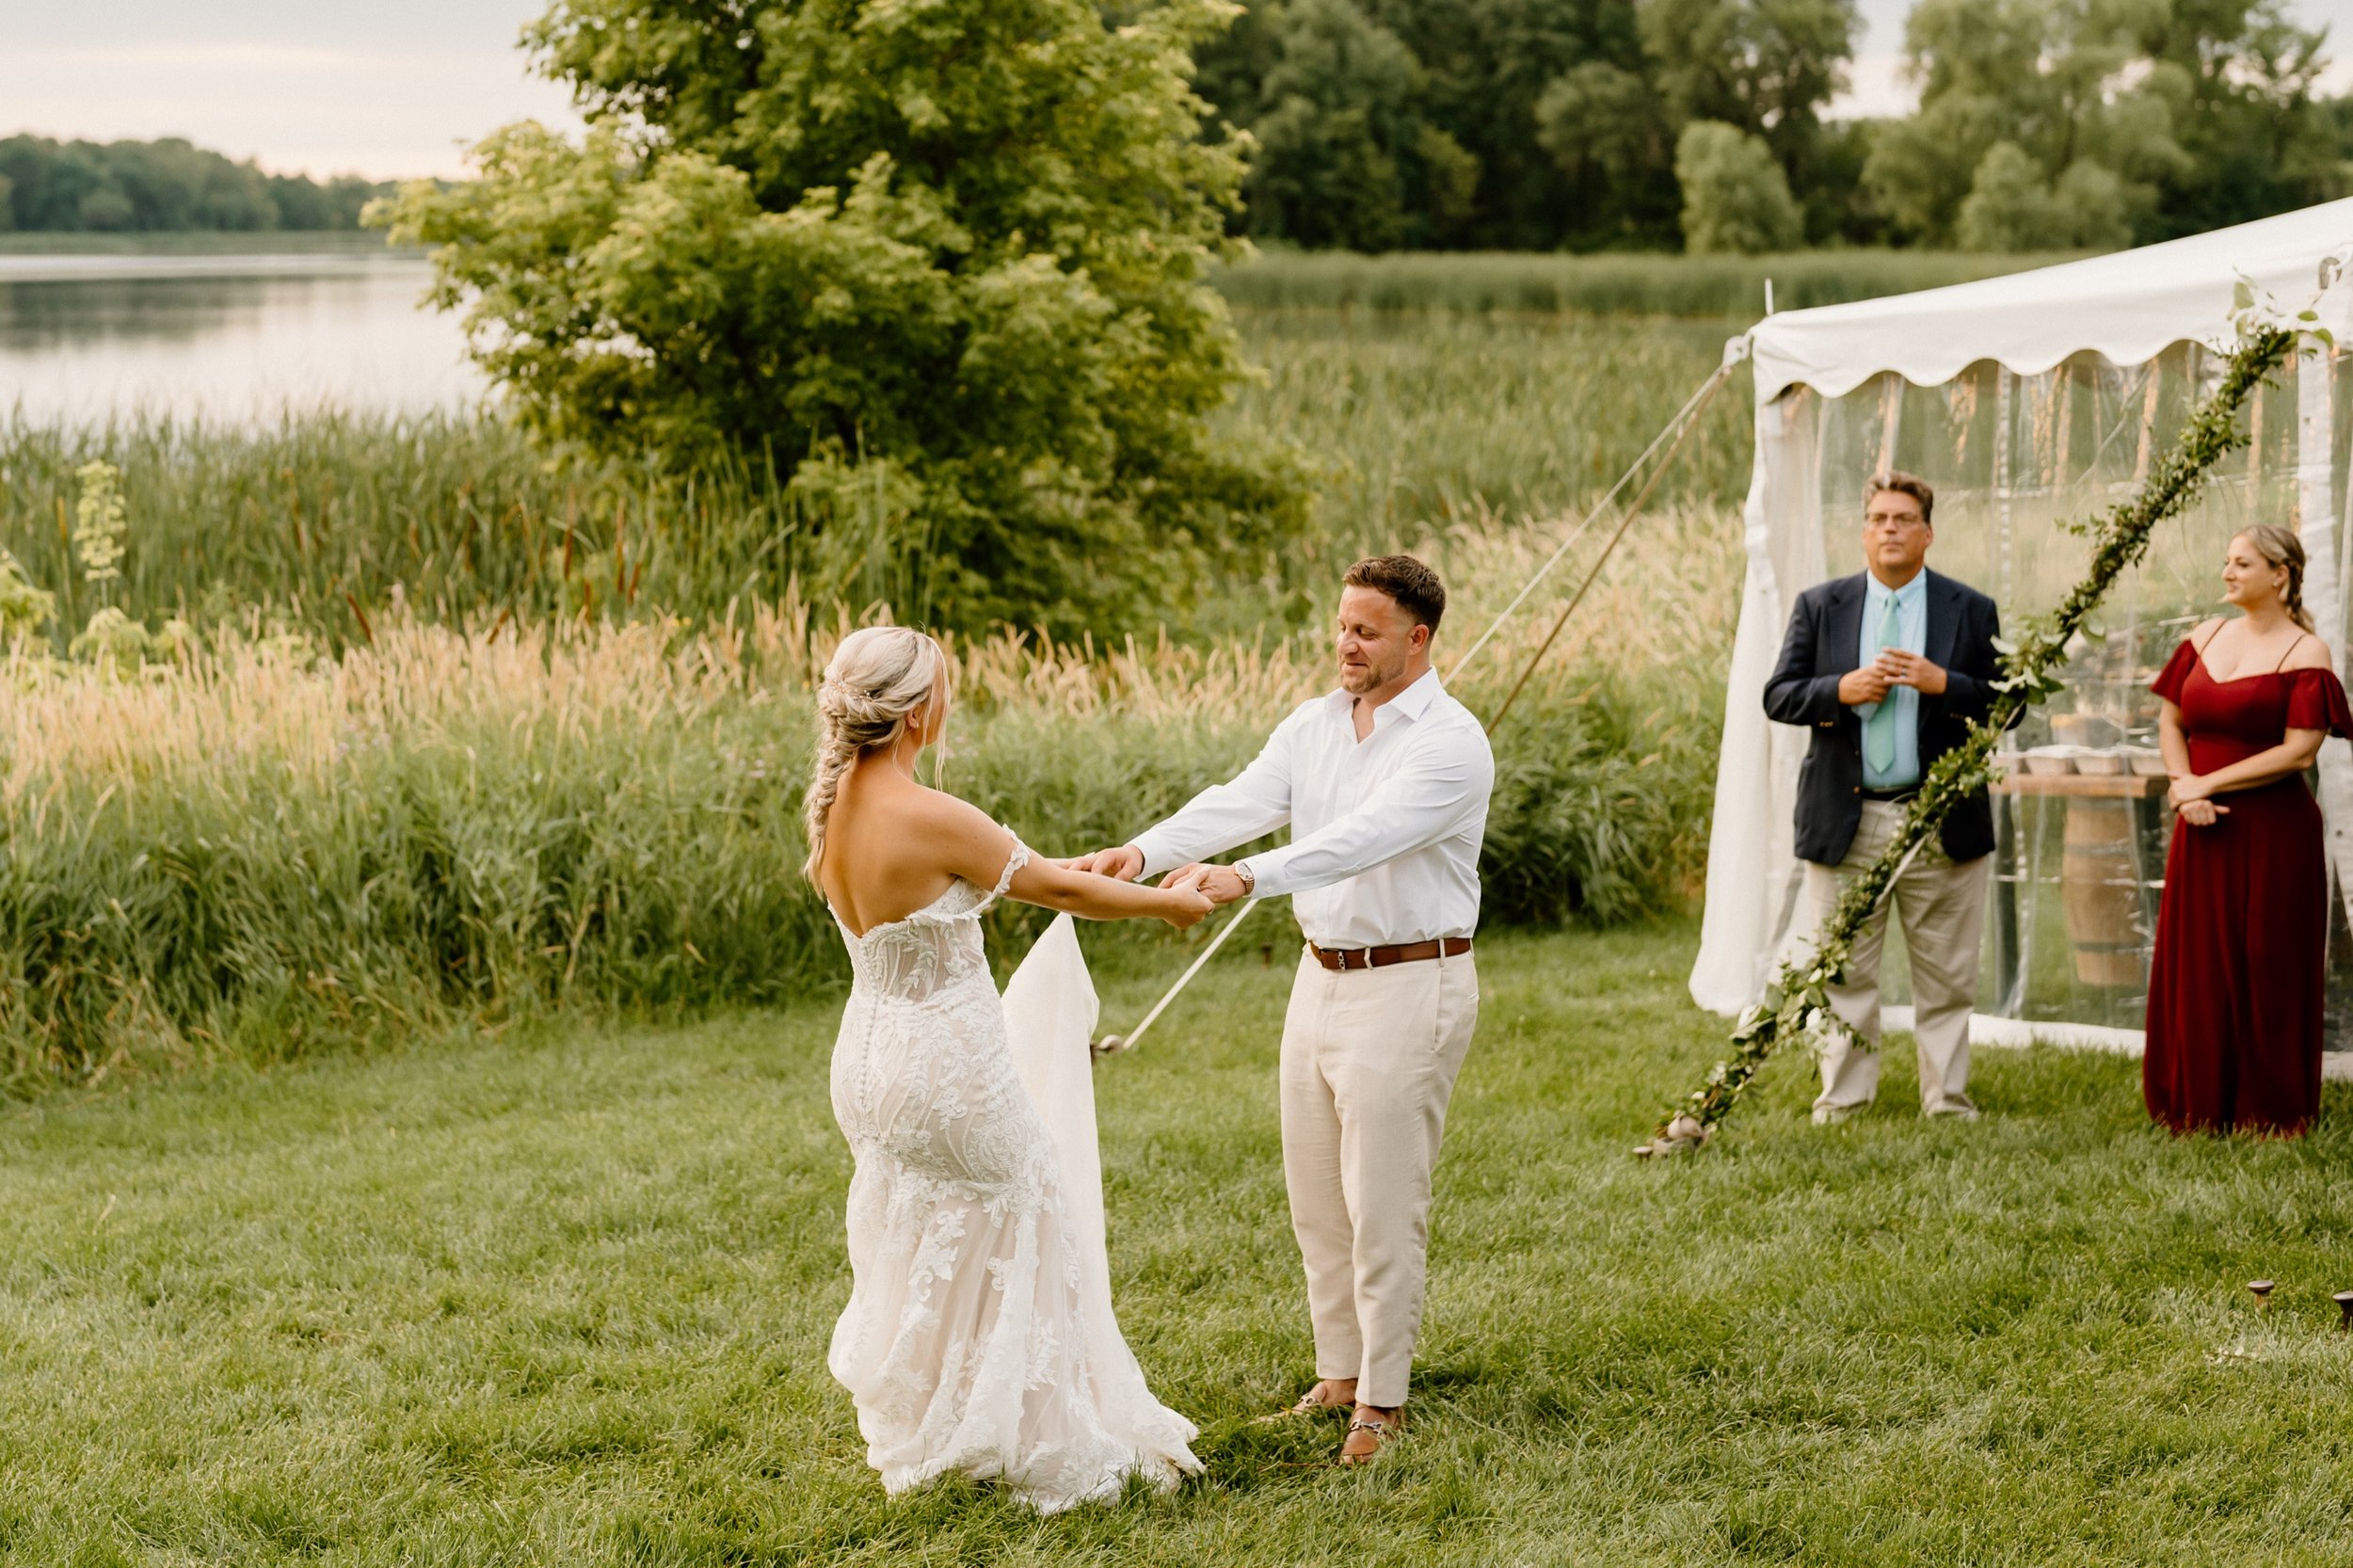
[[1380, 958]]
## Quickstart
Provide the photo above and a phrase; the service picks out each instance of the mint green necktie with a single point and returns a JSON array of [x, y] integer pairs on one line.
[[1878, 730]]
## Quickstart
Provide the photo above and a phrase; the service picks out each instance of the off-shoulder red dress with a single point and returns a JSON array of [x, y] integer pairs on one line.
[[2235, 983]]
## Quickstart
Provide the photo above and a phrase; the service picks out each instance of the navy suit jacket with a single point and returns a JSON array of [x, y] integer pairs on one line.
[[1824, 643]]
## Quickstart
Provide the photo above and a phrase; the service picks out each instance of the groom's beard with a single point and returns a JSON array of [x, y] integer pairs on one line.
[[1356, 680]]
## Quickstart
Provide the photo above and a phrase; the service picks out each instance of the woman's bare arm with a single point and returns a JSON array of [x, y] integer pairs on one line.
[[1089, 896], [976, 848], [2292, 756], [2170, 739]]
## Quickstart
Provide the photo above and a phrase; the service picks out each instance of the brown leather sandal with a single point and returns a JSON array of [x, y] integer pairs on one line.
[[1382, 1431]]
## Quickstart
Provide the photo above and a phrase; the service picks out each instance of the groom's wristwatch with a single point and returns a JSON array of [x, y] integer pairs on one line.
[[1249, 879]]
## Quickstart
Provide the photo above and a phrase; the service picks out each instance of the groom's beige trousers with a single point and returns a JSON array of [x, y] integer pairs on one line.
[[1369, 1057]]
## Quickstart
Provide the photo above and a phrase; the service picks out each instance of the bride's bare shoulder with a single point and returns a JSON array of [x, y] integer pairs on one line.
[[963, 836]]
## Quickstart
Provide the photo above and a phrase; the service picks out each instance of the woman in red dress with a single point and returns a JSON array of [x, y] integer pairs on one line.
[[2235, 987]]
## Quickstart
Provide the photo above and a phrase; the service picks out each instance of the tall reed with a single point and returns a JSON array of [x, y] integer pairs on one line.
[[260, 849], [1411, 426]]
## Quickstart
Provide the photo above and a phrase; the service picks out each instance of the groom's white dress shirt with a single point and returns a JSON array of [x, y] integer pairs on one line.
[[1385, 831]]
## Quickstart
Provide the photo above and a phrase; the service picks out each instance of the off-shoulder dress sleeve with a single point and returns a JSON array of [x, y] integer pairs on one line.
[[2175, 675], [2316, 701]]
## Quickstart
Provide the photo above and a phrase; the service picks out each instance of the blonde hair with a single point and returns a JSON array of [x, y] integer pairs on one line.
[[877, 681], [2283, 549]]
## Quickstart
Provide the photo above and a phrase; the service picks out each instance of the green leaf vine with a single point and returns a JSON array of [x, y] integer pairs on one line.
[[1797, 1003]]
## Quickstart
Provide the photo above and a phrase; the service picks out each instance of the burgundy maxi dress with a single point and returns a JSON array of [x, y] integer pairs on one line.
[[2235, 983]]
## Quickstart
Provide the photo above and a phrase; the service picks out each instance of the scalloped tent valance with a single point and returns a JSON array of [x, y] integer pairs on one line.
[[2128, 306]]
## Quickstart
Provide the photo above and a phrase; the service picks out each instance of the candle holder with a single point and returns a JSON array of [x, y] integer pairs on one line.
[[2263, 1288], [2344, 1307]]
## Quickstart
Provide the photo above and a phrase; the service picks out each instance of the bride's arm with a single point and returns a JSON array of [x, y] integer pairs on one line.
[[1102, 898], [976, 849]]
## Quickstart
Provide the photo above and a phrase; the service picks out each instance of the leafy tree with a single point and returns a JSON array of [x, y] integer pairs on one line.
[[2014, 206], [2181, 115], [1767, 67], [1734, 196], [2256, 142], [1489, 63], [1611, 133], [160, 186], [1346, 156], [941, 264]]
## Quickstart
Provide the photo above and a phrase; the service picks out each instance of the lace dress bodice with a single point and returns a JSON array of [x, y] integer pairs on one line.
[[936, 947], [966, 1343]]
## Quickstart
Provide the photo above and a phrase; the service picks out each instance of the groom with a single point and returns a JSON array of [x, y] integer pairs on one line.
[[1385, 784]]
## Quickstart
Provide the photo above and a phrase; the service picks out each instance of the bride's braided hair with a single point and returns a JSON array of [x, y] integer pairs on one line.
[[878, 681], [2283, 549]]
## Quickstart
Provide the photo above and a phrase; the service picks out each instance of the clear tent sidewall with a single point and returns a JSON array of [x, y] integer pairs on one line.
[[1799, 524]]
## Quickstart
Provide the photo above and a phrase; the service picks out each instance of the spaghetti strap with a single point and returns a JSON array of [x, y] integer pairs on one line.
[[2289, 654], [2210, 637]]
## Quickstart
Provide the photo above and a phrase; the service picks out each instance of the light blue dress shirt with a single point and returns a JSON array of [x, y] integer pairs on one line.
[[1912, 635]]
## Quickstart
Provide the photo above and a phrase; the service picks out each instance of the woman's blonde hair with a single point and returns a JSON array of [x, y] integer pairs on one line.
[[2284, 550], [877, 681]]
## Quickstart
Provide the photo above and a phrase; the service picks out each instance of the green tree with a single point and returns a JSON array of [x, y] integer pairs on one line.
[[2158, 117], [1611, 134], [1766, 67], [165, 185], [1346, 156], [2012, 205], [1734, 196], [941, 264], [1489, 63], [2257, 140]]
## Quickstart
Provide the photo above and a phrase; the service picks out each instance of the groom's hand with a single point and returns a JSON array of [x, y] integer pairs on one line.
[[1124, 864], [1222, 883]]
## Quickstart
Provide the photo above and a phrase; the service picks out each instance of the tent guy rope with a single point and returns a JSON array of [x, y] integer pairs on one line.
[[1670, 437]]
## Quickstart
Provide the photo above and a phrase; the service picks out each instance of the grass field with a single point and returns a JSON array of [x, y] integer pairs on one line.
[[563, 1298]]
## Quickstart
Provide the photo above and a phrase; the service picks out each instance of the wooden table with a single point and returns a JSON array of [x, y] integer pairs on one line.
[[2083, 786]]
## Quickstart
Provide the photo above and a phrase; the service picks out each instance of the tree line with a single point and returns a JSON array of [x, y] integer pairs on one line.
[[168, 186], [1596, 124]]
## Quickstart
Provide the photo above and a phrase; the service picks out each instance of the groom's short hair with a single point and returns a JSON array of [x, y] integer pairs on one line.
[[1413, 585]]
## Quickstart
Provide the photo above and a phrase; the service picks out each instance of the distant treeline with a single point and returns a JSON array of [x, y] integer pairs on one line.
[[162, 187], [1639, 124]]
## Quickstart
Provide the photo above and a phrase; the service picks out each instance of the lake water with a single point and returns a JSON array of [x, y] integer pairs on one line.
[[230, 337]]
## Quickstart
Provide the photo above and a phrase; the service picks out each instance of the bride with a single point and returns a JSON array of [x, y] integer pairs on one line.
[[969, 1344]]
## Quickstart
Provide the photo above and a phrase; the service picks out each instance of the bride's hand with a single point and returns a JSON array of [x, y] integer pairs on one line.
[[1188, 904]]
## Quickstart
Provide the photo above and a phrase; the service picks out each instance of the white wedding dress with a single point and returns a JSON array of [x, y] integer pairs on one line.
[[978, 1335]]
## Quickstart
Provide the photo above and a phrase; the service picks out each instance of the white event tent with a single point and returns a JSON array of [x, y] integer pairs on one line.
[[2032, 400]]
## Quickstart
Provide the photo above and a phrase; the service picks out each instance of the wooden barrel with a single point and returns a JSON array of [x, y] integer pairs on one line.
[[2100, 886]]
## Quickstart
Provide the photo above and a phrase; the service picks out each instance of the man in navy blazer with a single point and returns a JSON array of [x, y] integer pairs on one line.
[[1888, 668]]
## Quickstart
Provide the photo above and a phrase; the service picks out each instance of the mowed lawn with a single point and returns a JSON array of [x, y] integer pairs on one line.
[[566, 1300]]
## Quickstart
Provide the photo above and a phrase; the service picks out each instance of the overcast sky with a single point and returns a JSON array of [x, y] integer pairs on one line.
[[332, 86]]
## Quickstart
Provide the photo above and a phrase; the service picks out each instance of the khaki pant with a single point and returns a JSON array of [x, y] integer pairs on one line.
[[1369, 1057], [1942, 908]]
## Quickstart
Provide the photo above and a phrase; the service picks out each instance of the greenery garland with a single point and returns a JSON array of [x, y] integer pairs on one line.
[[1798, 1002]]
